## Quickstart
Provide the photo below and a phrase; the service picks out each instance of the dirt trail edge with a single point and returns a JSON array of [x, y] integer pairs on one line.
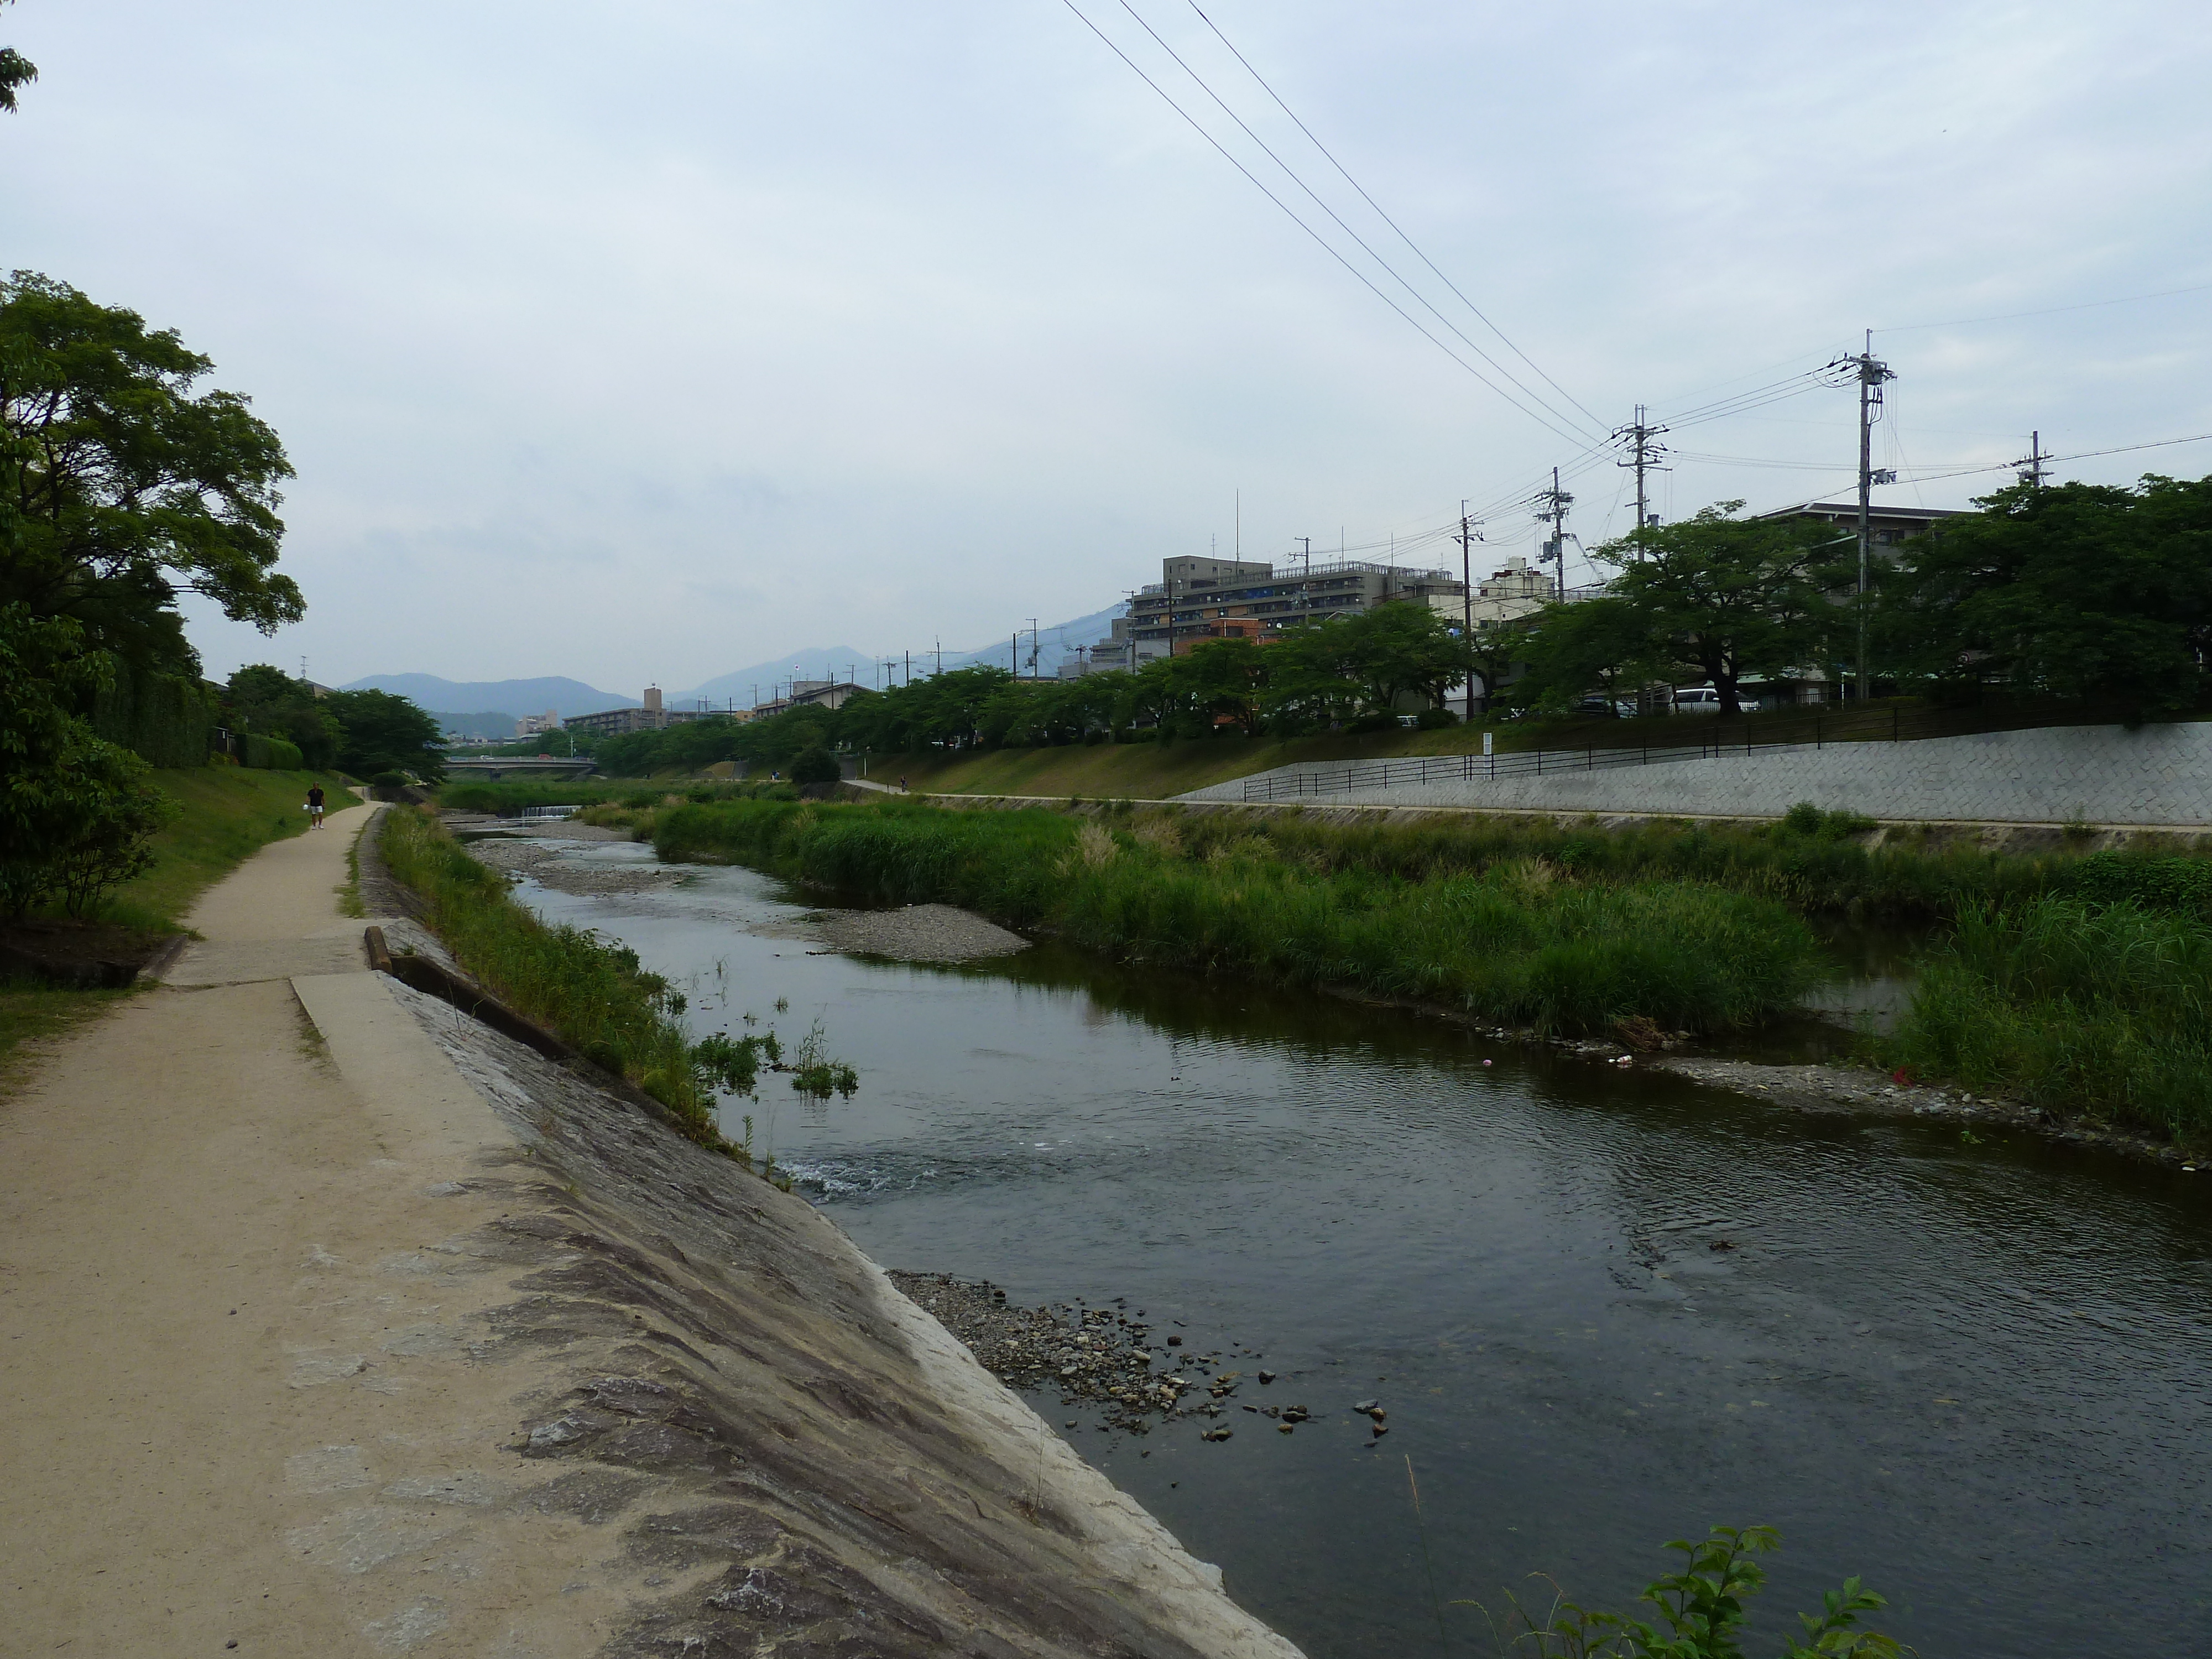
[[333, 1323]]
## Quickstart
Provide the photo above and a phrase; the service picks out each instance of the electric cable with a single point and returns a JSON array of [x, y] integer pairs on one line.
[[1385, 217], [1322, 241], [1365, 247]]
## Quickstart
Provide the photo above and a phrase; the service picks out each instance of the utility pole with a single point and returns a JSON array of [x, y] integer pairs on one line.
[[1033, 647], [2032, 473], [1467, 605], [910, 668], [939, 652], [1643, 456], [1871, 373], [1556, 502]]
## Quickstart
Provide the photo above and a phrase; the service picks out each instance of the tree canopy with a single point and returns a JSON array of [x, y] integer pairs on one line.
[[2067, 590], [382, 732], [123, 487]]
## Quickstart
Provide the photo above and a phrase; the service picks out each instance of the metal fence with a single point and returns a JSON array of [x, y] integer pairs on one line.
[[1684, 737]]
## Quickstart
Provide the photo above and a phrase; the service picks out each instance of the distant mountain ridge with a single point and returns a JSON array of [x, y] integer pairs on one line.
[[515, 697], [1053, 644]]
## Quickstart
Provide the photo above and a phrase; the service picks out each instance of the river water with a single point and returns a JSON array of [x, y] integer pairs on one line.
[[1977, 1373]]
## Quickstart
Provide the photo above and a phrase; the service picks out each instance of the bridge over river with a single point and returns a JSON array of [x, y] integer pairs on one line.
[[494, 767]]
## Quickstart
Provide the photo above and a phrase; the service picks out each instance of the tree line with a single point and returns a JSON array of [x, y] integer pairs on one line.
[[2084, 591], [123, 485]]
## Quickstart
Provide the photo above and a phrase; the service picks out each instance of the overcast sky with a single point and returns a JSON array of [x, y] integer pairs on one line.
[[638, 343]]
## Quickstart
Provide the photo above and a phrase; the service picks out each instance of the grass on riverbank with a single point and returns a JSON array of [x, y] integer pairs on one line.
[[2085, 1009], [1810, 860], [1524, 944], [226, 814], [595, 996], [229, 814]]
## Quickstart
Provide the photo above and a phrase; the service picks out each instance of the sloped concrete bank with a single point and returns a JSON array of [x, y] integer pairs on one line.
[[2159, 775], [340, 1324], [785, 1454]]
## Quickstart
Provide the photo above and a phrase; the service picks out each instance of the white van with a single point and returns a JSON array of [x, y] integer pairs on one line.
[[1698, 700]]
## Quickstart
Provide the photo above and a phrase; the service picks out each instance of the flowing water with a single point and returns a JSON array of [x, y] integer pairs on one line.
[[1602, 1308]]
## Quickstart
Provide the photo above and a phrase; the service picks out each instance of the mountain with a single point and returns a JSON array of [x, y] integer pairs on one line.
[[489, 723], [843, 661], [513, 697], [1053, 643], [816, 663]]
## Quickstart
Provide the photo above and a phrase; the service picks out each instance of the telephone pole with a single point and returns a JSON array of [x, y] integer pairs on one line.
[[1643, 456], [1556, 502], [1872, 372], [1467, 605], [1033, 647], [2031, 468]]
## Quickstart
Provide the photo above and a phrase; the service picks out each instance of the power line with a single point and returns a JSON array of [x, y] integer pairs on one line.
[[1367, 281], [1385, 217], [1420, 298], [2052, 311]]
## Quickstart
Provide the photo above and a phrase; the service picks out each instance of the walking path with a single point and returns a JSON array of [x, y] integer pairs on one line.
[[185, 1398], [333, 1323]]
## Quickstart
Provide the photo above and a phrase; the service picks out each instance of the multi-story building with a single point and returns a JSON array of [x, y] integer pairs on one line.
[[652, 717], [1197, 598], [818, 694], [1890, 526], [531, 724], [1517, 591]]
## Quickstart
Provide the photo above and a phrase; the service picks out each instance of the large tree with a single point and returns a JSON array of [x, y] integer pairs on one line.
[[2069, 590], [15, 70], [1610, 644], [124, 487], [1368, 659], [384, 733], [1725, 599]]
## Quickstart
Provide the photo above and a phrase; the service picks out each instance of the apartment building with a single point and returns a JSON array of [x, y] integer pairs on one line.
[[1197, 598]]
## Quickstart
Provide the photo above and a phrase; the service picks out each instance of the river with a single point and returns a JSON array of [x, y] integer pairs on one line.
[[1602, 1308]]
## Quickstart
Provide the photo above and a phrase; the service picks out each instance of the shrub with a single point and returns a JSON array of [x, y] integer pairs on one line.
[[2102, 1009], [816, 765]]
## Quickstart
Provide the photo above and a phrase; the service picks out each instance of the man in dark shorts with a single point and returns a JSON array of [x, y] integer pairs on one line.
[[315, 807]]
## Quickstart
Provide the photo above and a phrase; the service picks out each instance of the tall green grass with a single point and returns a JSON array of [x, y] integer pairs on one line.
[[1810, 861], [2104, 1009], [1523, 943], [595, 996]]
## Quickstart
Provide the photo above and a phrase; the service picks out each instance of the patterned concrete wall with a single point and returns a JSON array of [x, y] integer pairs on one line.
[[2161, 775]]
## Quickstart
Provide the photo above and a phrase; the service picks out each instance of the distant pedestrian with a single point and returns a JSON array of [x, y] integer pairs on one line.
[[902, 783], [315, 807]]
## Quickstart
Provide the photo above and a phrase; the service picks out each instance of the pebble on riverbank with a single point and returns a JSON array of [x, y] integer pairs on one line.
[[1829, 1088], [545, 866], [918, 933], [1095, 1355]]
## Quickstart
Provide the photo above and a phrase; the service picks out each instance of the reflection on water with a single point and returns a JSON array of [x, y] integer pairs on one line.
[[1602, 1310]]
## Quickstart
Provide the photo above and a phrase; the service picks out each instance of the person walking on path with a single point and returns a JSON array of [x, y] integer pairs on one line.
[[315, 807]]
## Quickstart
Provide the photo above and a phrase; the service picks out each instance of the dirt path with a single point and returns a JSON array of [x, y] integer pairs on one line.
[[332, 1323], [192, 1414]]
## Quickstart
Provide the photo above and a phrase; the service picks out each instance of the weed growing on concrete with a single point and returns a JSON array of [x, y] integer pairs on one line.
[[595, 996]]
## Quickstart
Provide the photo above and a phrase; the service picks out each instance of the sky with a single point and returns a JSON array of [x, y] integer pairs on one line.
[[637, 342]]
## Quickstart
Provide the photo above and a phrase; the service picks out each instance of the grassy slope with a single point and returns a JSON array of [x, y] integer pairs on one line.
[[228, 813]]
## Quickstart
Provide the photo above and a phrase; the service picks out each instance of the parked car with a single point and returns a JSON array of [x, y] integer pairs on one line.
[[1698, 700], [1596, 703]]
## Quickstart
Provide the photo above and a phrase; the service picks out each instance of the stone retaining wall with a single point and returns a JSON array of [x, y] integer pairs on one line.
[[2160, 775]]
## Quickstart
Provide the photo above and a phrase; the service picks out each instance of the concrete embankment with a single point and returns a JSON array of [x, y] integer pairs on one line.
[[339, 1323], [2159, 775]]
